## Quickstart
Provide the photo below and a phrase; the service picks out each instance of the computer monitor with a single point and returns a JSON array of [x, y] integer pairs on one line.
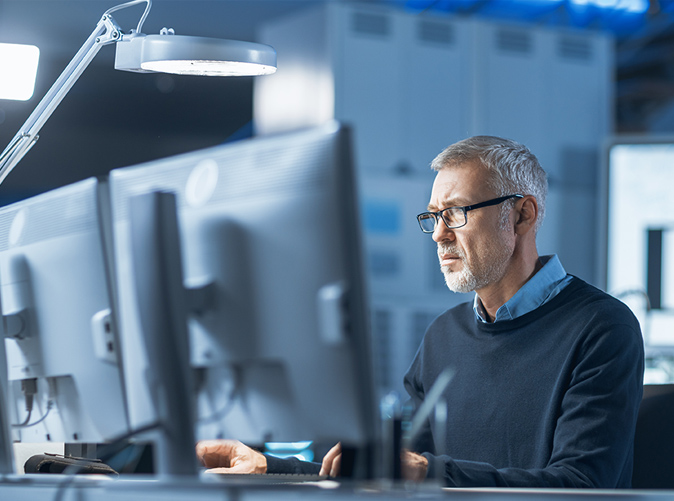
[[57, 302], [639, 252], [270, 240]]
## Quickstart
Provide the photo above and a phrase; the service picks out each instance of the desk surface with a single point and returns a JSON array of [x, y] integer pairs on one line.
[[89, 487]]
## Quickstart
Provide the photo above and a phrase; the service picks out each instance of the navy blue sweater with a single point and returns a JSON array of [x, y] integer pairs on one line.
[[549, 399]]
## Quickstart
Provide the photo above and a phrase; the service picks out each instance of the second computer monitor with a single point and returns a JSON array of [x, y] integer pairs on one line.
[[270, 238]]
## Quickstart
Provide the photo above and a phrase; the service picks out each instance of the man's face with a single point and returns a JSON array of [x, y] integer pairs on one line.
[[478, 254]]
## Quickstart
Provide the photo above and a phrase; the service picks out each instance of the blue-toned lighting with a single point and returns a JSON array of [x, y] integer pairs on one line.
[[299, 450], [635, 6], [297, 446], [619, 16]]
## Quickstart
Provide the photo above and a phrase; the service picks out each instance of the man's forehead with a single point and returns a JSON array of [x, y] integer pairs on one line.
[[458, 185], [447, 192]]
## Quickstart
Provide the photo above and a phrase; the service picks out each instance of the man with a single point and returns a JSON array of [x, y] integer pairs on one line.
[[548, 369]]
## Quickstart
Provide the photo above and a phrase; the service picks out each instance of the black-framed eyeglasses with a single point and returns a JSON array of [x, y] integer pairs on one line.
[[455, 217]]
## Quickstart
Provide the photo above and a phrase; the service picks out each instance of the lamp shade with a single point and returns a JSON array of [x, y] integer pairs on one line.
[[185, 55]]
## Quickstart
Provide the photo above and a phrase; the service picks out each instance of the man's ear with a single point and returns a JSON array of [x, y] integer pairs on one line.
[[526, 214]]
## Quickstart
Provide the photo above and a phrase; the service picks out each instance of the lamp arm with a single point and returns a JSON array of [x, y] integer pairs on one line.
[[106, 32], [129, 4]]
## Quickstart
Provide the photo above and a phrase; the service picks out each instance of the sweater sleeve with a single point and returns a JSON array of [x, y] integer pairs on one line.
[[291, 465], [593, 436]]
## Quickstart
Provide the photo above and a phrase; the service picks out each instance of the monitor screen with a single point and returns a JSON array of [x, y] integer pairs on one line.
[[640, 242], [280, 346], [61, 344]]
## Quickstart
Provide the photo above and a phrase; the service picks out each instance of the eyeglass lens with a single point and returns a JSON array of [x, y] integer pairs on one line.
[[454, 218]]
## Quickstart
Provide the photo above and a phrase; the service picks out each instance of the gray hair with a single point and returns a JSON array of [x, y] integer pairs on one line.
[[512, 168]]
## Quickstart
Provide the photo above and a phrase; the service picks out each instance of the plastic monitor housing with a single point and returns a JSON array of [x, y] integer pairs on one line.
[[271, 257], [60, 340]]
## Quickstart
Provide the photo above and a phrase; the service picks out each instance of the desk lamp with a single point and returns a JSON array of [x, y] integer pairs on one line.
[[137, 52]]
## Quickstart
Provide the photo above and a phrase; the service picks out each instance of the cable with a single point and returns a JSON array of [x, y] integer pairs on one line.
[[111, 448], [29, 389], [106, 451], [26, 424], [219, 414]]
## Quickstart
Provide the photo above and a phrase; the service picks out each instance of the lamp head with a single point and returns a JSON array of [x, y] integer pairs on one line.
[[185, 55]]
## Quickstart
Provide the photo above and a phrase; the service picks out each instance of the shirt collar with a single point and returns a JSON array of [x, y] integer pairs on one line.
[[538, 290]]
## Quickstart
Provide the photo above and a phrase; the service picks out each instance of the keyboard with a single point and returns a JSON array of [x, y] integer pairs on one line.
[[264, 478]]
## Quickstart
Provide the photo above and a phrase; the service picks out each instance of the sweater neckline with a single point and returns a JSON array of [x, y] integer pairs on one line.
[[515, 323]]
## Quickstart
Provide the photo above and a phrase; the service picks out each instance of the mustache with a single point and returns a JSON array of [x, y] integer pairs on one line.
[[444, 248]]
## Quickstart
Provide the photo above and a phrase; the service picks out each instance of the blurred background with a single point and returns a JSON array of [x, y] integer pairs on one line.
[[571, 79]]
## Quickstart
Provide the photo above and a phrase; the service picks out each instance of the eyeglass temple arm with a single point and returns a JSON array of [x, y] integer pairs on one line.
[[495, 201]]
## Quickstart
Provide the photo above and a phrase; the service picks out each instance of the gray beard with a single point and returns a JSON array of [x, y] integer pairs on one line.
[[460, 281], [469, 279]]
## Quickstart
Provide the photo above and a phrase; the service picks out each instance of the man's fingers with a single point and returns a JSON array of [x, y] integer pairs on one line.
[[332, 466], [230, 456], [216, 453], [414, 466], [336, 466], [237, 468], [218, 471], [332, 461]]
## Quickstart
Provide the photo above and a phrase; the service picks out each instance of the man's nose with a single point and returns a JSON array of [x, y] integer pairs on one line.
[[442, 233]]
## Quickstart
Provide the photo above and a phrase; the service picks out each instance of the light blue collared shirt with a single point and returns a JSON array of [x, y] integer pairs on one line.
[[541, 288]]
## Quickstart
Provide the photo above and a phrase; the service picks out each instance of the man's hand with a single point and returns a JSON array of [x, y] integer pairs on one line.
[[332, 461], [414, 466], [230, 456]]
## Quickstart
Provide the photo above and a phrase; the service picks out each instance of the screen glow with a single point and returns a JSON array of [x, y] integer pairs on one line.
[[640, 180], [18, 69]]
